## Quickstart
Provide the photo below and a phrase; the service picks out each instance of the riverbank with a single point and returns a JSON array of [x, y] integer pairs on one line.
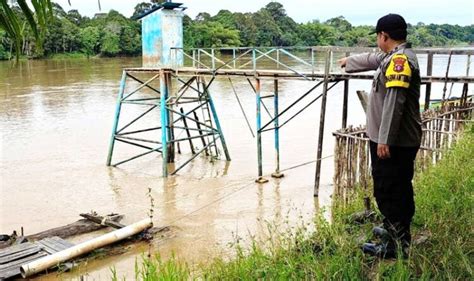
[[442, 230], [69, 56]]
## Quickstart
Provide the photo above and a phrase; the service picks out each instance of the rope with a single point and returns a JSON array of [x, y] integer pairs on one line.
[[304, 164], [240, 189], [211, 203], [241, 107]]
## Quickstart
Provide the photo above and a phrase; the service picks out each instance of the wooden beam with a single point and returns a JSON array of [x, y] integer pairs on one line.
[[105, 221]]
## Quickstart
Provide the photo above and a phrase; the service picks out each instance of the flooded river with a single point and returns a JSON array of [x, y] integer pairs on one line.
[[55, 125]]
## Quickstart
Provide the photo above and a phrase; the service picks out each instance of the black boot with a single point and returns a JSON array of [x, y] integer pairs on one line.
[[399, 236], [385, 245], [381, 250], [380, 232]]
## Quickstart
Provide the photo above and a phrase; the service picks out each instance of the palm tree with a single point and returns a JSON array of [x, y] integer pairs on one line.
[[37, 20]]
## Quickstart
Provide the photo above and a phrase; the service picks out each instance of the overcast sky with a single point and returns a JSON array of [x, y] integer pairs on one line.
[[358, 12]]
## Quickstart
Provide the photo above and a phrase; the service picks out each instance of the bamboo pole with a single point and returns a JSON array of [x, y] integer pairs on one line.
[[44, 263]]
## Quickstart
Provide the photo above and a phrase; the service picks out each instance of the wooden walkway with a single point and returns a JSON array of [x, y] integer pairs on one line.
[[316, 65], [287, 74], [12, 258]]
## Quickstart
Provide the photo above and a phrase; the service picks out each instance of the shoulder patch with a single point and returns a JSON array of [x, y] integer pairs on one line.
[[398, 72]]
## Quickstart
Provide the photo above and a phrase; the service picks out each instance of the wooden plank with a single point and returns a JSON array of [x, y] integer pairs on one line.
[[66, 243], [19, 255], [103, 221], [49, 246], [16, 248], [22, 261], [46, 248], [13, 269], [9, 273], [58, 246]]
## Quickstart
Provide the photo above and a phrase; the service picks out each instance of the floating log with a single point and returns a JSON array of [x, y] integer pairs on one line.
[[79, 227], [47, 262]]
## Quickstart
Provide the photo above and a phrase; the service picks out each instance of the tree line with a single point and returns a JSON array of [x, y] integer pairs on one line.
[[112, 34]]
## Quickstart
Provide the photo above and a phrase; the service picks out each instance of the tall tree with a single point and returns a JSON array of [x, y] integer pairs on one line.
[[75, 17], [90, 40], [226, 18], [268, 31], [140, 8]]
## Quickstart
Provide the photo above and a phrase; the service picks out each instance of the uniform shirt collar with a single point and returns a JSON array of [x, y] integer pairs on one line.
[[401, 46]]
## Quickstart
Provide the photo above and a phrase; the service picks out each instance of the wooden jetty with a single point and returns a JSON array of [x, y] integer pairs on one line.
[[196, 70]]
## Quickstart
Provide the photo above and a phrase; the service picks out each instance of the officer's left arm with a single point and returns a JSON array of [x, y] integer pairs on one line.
[[398, 75]]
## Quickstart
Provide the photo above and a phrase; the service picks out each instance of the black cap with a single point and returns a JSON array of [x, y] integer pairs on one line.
[[390, 23]]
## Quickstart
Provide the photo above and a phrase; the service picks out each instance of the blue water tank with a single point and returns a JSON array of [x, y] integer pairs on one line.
[[162, 30]]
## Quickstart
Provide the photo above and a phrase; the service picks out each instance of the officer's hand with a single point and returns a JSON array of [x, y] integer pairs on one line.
[[383, 151], [342, 62]]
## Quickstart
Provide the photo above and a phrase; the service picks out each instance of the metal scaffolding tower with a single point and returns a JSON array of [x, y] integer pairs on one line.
[[179, 113]]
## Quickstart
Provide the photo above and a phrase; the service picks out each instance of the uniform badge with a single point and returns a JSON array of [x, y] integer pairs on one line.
[[398, 64], [398, 72]]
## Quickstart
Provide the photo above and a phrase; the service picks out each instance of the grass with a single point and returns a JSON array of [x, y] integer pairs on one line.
[[444, 202]]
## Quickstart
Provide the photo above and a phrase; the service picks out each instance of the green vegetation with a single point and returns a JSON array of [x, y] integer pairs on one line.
[[112, 34], [20, 22], [109, 34], [444, 198]]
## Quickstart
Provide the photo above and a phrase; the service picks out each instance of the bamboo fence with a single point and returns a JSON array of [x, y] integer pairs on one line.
[[440, 127]]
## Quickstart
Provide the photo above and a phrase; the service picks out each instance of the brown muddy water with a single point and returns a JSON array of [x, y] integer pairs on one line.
[[55, 125]]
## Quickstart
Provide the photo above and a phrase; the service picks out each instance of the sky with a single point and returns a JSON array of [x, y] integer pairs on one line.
[[357, 12]]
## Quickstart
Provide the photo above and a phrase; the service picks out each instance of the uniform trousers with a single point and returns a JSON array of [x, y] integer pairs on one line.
[[393, 190]]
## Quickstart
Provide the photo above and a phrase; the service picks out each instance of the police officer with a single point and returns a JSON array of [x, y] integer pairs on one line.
[[394, 129]]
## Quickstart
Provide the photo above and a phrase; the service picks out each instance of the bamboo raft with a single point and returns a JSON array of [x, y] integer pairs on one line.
[[36, 253]]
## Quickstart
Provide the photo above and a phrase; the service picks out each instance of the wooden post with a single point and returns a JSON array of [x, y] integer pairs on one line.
[[429, 72], [465, 87], [345, 100], [321, 124], [445, 88]]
